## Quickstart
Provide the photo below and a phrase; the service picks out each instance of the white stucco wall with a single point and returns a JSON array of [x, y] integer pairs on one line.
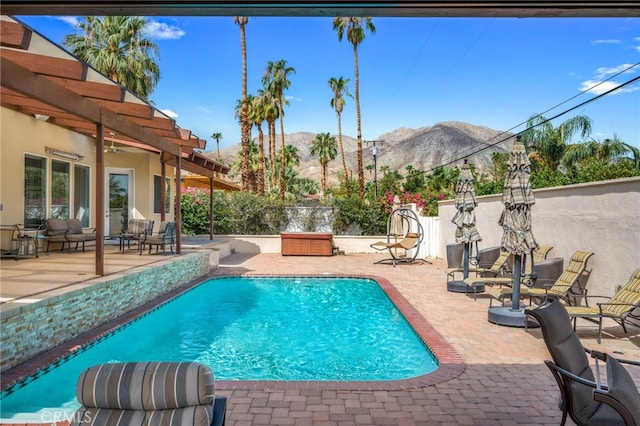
[[601, 217]]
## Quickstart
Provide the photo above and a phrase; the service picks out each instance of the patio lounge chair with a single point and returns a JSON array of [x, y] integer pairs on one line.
[[153, 393], [497, 267], [582, 395], [619, 308], [539, 255], [497, 271], [409, 242], [562, 288], [165, 237]]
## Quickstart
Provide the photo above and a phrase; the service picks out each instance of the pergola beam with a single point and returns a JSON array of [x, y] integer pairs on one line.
[[409, 8]]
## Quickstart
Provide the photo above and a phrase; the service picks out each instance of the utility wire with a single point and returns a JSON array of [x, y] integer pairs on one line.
[[588, 101], [473, 151]]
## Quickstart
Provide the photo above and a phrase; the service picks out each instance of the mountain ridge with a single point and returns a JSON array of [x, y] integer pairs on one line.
[[425, 148]]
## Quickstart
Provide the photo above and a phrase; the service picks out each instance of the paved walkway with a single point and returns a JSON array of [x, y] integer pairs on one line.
[[504, 380]]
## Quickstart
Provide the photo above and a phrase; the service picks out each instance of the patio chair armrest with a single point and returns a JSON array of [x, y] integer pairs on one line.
[[603, 356], [602, 304], [572, 376]]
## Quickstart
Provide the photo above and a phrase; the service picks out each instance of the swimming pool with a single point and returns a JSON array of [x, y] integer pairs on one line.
[[251, 328]]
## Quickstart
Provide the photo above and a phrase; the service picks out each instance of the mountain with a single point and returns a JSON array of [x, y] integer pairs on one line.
[[445, 143]]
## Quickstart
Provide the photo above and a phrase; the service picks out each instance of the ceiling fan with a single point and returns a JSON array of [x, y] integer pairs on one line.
[[112, 147]]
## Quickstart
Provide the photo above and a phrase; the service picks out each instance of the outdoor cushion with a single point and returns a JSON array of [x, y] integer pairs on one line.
[[158, 392], [622, 387], [56, 226], [74, 226]]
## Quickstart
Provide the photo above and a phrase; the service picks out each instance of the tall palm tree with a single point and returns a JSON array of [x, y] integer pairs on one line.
[[276, 80], [217, 136], [247, 176], [256, 116], [354, 28], [271, 114], [324, 146], [116, 46], [245, 126], [339, 89], [550, 143], [606, 151]]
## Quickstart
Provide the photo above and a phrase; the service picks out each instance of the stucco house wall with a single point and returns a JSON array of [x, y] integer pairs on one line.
[[21, 134]]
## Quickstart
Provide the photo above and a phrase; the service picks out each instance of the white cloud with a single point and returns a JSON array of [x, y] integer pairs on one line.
[[162, 31], [71, 20], [603, 72], [637, 46], [604, 86], [170, 113], [605, 41]]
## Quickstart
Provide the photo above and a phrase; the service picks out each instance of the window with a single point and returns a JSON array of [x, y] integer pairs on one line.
[[60, 189], [35, 190], [81, 193], [157, 202]]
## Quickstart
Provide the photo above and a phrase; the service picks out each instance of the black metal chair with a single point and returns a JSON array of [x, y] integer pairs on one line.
[[583, 396], [165, 237]]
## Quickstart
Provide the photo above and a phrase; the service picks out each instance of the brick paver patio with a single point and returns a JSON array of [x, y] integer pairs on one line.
[[501, 380]]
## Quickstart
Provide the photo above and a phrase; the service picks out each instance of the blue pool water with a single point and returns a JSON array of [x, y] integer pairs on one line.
[[343, 329]]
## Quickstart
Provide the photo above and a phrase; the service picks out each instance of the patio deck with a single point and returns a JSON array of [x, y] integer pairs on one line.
[[504, 381]]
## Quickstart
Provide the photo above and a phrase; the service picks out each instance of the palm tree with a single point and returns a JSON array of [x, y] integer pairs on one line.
[[248, 180], [605, 152], [116, 46], [550, 143], [276, 80], [355, 32], [324, 146], [217, 136], [291, 156], [256, 116], [339, 89], [245, 126], [271, 114]]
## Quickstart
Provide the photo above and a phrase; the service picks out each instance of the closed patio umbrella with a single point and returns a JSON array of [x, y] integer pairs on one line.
[[465, 221], [517, 237]]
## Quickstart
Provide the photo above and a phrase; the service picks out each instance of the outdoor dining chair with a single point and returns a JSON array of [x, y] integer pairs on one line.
[[583, 396], [165, 237]]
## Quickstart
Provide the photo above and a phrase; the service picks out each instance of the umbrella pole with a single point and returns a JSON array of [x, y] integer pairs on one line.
[[512, 316], [517, 269], [465, 265]]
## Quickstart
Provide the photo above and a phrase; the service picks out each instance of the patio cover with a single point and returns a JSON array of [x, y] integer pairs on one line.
[[325, 8], [41, 78]]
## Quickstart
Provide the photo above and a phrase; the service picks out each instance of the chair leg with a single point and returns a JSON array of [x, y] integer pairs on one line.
[[600, 330]]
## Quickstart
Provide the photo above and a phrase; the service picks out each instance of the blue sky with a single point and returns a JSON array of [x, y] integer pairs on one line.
[[414, 72]]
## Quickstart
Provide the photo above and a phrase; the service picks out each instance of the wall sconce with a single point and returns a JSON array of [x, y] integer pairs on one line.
[[41, 117], [64, 154]]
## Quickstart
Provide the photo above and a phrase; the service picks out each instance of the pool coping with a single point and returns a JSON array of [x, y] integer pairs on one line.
[[450, 363]]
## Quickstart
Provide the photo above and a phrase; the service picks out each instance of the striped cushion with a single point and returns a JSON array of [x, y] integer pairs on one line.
[[200, 415], [139, 226], [146, 385], [627, 297]]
